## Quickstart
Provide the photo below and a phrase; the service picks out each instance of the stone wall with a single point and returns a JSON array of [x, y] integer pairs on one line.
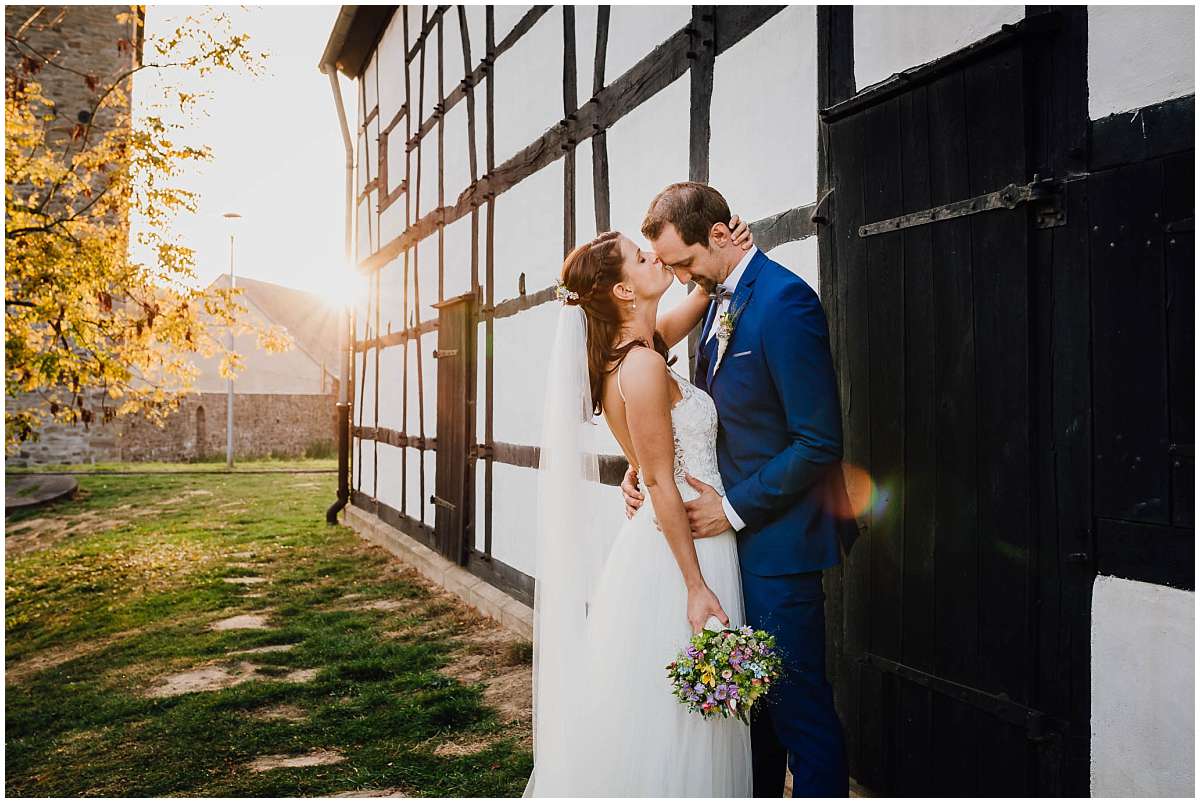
[[265, 425], [86, 39]]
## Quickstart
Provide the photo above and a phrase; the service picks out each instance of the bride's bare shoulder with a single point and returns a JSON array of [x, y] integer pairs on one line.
[[644, 375]]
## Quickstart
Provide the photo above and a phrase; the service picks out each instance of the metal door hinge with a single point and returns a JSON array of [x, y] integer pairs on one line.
[[1044, 195]]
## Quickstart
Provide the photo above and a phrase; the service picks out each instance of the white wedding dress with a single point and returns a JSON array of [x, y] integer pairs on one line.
[[624, 732]]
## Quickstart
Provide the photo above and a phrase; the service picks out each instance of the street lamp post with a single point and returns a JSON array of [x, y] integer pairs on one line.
[[232, 218]]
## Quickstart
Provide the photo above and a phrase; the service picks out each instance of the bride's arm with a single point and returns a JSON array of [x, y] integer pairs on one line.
[[647, 412], [675, 323]]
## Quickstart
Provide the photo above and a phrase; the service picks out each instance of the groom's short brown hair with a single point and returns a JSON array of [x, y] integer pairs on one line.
[[691, 207]]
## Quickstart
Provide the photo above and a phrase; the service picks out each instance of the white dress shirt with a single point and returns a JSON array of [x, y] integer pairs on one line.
[[731, 283]]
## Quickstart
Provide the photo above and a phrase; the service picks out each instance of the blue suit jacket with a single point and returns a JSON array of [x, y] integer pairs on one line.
[[779, 445]]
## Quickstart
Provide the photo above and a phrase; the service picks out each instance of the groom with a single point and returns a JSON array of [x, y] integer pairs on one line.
[[764, 358]]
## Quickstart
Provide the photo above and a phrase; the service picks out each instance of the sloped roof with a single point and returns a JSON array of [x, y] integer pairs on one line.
[[355, 33], [312, 323]]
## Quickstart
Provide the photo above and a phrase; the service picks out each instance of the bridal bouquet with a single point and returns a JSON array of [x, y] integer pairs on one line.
[[723, 672]]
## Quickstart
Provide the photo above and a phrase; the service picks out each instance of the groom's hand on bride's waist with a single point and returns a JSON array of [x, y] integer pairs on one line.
[[706, 513], [633, 497]]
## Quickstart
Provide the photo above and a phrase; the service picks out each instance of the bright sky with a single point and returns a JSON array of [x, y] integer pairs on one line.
[[278, 157]]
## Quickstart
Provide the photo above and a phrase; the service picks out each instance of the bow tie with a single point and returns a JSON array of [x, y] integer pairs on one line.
[[720, 292]]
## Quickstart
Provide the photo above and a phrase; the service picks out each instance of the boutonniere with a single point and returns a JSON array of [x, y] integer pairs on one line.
[[725, 326]]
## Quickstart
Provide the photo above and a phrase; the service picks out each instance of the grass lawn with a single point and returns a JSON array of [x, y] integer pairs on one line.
[[202, 635]]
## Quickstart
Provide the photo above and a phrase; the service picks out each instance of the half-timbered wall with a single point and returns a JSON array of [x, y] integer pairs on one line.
[[568, 123]]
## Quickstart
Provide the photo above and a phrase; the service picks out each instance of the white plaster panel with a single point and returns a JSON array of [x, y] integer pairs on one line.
[[1143, 690], [458, 257], [362, 168], [514, 497], [647, 150], [366, 466], [363, 230], [763, 151], [370, 82], [890, 39], [801, 258], [391, 388], [585, 49], [477, 27], [529, 232], [634, 31], [506, 17], [391, 220], [391, 291], [414, 25], [585, 198], [425, 176], [396, 151], [457, 165], [1139, 55], [412, 484], [522, 349], [528, 80], [389, 491], [390, 58], [452, 54], [427, 273]]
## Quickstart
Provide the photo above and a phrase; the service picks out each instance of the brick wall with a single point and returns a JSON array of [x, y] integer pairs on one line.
[[265, 425]]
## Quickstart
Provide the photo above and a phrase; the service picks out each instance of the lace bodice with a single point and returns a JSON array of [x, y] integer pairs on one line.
[[694, 425]]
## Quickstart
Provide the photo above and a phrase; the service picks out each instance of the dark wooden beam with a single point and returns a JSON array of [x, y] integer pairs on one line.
[[570, 104], [600, 140]]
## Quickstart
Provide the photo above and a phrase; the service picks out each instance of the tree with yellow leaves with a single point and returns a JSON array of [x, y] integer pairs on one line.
[[90, 331]]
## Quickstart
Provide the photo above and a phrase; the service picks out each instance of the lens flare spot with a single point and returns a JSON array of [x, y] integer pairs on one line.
[[860, 488]]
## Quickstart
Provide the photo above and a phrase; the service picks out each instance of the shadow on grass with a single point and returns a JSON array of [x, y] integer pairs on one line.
[[110, 614]]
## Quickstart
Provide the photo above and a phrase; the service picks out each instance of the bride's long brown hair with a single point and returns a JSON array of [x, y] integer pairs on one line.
[[590, 271]]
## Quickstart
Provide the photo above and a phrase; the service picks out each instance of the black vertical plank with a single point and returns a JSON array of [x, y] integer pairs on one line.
[[1070, 645], [600, 140], [913, 731], [701, 78], [570, 104], [1129, 331], [1178, 215], [882, 198], [835, 82], [956, 482], [490, 276], [441, 144], [704, 36], [846, 149], [884, 276], [999, 253], [1056, 95]]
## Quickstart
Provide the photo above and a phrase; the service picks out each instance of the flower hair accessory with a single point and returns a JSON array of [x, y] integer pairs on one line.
[[563, 294]]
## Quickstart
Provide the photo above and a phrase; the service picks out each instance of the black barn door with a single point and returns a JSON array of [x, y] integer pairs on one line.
[[949, 626]]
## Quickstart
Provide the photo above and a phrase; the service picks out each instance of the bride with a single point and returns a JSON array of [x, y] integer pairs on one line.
[[612, 609]]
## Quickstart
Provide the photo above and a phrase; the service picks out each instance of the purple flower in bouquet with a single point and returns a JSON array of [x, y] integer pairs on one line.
[[722, 692]]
